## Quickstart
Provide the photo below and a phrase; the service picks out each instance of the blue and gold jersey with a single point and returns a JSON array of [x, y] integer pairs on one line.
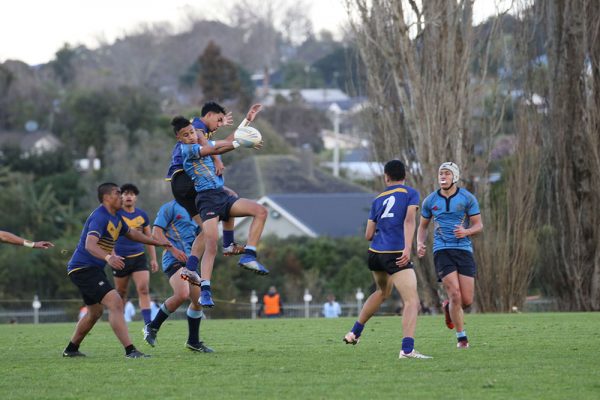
[[136, 220], [179, 228], [388, 211], [200, 169], [447, 213], [107, 228]]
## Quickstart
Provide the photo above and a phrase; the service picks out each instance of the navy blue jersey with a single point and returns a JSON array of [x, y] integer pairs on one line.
[[136, 220], [388, 211], [447, 213], [103, 225], [176, 161]]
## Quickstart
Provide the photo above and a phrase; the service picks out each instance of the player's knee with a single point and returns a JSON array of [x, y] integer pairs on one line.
[[261, 212], [143, 290], [467, 306], [95, 315]]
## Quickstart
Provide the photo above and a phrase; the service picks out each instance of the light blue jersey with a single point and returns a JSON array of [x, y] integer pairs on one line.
[[179, 228], [388, 211], [200, 169], [447, 213]]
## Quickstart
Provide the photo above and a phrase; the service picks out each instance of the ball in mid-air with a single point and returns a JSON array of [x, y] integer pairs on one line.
[[247, 136]]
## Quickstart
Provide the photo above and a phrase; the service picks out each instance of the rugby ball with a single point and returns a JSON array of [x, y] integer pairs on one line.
[[247, 136]]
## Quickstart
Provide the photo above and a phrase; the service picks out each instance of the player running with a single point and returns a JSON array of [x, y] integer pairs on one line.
[[456, 217]]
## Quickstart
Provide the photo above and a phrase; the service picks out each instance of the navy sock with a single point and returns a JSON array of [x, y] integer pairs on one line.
[[357, 329], [129, 349], [227, 238], [408, 344], [205, 285], [72, 347], [194, 317], [146, 314], [192, 263], [161, 316]]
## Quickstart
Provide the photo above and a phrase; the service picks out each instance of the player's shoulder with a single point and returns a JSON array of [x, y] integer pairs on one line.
[[465, 193], [431, 196]]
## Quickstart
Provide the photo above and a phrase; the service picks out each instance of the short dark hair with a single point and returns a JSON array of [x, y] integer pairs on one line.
[[211, 106], [130, 187], [395, 170], [105, 188], [179, 122]]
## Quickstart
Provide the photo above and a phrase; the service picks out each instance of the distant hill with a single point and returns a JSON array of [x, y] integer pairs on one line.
[[257, 176]]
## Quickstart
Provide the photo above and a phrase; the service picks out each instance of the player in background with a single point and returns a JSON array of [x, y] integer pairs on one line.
[[11, 238], [86, 269], [136, 264], [456, 216], [391, 228], [174, 223], [214, 204]]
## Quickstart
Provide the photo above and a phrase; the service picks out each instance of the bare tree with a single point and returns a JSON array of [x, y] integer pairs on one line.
[[572, 142]]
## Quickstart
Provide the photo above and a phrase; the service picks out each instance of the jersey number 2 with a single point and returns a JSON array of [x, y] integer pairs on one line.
[[388, 203]]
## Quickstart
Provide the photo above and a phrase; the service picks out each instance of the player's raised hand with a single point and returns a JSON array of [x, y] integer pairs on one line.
[[42, 245], [254, 110], [228, 119], [421, 249]]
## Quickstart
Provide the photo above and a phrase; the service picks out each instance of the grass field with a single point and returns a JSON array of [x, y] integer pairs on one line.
[[512, 356]]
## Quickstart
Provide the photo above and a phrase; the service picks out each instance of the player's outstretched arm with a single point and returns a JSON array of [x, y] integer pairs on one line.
[[11, 238], [159, 234], [137, 236]]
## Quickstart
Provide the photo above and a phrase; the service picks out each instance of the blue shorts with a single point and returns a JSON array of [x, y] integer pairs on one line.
[[214, 203], [173, 268], [450, 260]]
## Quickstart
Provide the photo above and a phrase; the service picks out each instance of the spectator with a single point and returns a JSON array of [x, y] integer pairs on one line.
[[331, 309], [271, 305]]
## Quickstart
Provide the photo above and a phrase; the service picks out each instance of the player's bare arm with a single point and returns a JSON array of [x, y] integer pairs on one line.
[[140, 237], [370, 230], [10, 238], [92, 246], [422, 237], [159, 234], [151, 250], [410, 223]]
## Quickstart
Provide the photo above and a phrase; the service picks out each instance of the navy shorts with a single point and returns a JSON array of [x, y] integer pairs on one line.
[[386, 262], [184, 192], [214, 203], [173, 268], [450, 260], [132, 264], [92, 283]]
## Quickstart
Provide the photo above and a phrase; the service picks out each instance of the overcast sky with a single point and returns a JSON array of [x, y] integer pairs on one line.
[[33, 30]]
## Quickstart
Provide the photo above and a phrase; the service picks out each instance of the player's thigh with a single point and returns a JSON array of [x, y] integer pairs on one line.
[[382, 282], [450, 282], [113, 301], [141, 279], [467, 288], [405, 282], [210, 229], [244, 207]]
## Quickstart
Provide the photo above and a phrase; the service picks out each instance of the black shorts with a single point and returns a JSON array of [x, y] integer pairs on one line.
[[132, 264], [450, 260], [184, 192], [173, 268], [214, 203], [386, 262], [92, 283]]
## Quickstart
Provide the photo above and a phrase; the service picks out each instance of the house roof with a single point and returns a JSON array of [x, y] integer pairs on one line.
[[324, 214], [27, 141], [257, 176]]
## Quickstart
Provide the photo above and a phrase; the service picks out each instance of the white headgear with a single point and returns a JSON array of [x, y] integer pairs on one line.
[[450, 166]]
